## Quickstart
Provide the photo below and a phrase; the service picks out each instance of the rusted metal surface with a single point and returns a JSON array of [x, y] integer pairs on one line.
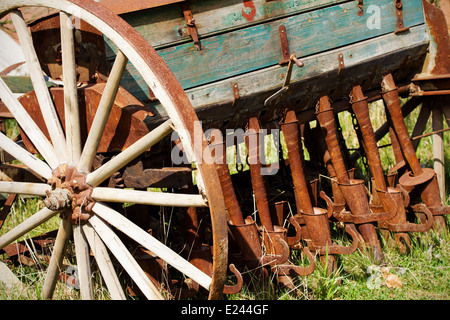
[[290, 130], [70, 194], [316, 219], [253, 143], [399, 16], [422, 179], [353, 190], [6, 207], [438, 29], [248, 240], [125, 125], [135, 176], [90, 57], [234, 211], [285, 52], [190, 22]]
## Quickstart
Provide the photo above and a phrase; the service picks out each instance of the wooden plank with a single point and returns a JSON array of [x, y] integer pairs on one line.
[[18, 84], [166, 26], [121, 7], [324, 66], [257, 47], [438, 150]]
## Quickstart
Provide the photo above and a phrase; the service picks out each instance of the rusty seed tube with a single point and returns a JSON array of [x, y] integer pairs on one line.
[[361, 110], [430, 190], [326, 120], [357, 203], [258, 183], [231, 202], [295, 153], [391, 97]]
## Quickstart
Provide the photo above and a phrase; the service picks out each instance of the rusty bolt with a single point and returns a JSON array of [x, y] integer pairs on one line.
[[58, 199]]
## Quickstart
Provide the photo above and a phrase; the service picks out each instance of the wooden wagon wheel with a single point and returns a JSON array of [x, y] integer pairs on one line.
[[72, 189]]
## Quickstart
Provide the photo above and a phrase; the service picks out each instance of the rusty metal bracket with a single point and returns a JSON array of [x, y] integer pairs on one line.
[[434, 85], [399, 16], [287, 79], [360, 8], [235, 93], [190, 22], [341, 62], [284, 45]]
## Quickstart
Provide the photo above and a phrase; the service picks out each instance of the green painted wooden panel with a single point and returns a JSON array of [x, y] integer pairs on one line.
[[256, 86], [258, 47], [18, 84], [166, 25]]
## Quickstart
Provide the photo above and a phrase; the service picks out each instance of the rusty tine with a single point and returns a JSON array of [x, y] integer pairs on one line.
[[361, 109], [295, 153], [353, 190], [252, 141], [231, 202], [424, 179], [325, 116]]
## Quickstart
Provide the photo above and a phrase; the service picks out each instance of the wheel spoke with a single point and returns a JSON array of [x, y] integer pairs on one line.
[[54, 267], [19, 153], [33, 132], [152, 244], [35, 189], [148, 197], [102, 114], [71, 112], [29, 224], [83, 263], [40, 87], [125, 258], [104, 263], [105, 171]]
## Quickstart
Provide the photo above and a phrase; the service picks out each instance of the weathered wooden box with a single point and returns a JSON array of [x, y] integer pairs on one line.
[[238, 67]]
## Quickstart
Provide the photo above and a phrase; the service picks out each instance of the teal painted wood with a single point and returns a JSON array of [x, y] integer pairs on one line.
[[258, 47], [256, 86], [166, 26]]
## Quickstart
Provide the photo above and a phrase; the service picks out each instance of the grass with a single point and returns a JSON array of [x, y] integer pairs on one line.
[[423, 274]]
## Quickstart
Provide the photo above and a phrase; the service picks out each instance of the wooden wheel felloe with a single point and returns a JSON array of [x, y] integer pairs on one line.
[[70, 185]]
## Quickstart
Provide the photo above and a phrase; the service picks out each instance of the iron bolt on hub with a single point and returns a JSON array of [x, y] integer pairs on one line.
[[70, 194]]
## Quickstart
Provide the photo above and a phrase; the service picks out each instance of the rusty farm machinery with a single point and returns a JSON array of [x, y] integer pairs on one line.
[[130, 109]]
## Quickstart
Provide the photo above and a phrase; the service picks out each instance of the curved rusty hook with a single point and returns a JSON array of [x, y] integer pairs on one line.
[[412, 227], [228, 289], [281, 255], [338, 249], [291, 270], [294, 241], [406, 198], [330, 205]]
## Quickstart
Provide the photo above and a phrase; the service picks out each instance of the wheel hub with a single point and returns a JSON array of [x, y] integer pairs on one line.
[[70, 194]]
